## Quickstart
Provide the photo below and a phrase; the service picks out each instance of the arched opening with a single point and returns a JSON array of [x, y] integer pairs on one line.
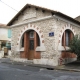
[[29, 41], [66, 54], [67, 37]]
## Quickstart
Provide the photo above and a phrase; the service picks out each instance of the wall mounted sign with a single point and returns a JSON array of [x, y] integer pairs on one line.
[[51, 34]]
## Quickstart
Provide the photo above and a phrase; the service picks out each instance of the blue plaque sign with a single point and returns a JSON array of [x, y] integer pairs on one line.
[[51, 34]]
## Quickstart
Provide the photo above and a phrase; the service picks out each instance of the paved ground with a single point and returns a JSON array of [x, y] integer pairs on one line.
[[74, 66], [22, 72], [25, 72]]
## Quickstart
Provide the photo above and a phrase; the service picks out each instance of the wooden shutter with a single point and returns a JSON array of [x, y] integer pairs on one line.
[[37, 54]]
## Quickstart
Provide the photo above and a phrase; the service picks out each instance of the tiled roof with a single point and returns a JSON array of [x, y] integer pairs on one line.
[[3, 25]]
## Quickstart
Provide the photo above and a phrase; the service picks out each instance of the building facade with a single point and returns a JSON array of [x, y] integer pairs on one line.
[[5, 40], [42, 36]]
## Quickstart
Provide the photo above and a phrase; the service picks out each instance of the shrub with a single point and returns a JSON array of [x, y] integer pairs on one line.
[[75, 45]]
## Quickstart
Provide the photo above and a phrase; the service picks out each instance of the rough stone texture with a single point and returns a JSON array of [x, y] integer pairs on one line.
[[52, 54], [31, 12]]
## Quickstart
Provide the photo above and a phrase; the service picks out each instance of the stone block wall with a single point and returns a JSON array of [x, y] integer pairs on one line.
[[46, 26], [51, 55], [31, 14]]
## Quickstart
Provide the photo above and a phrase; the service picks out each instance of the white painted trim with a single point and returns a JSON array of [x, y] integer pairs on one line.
[[40, 48], [44, 18], [61, 48], [22, 49], [65, 20]]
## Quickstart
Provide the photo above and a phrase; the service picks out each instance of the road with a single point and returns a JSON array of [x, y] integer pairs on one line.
[[23, 72]]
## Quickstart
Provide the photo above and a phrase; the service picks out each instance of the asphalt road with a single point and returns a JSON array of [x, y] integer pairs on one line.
[[23, 72]]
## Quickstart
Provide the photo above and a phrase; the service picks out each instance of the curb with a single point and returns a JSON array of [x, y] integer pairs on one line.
[[65, 69], [44, 66], [34, 65]]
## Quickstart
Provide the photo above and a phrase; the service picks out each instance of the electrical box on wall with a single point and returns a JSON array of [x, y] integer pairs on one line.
[[51, 34]]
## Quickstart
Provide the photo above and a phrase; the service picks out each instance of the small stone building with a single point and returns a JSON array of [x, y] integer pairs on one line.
[[42, 36]]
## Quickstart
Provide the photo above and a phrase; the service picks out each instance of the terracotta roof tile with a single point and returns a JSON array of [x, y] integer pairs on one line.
[[3, 25]]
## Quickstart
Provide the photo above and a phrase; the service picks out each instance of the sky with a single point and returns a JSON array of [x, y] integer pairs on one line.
[[9, 8]]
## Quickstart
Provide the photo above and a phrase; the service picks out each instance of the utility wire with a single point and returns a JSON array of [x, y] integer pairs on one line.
[[9, 6]]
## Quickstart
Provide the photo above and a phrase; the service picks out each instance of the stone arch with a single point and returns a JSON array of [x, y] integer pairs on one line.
[[62, 31], [30, 27]]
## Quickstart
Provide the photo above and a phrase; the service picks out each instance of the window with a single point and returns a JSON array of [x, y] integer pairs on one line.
[[8, 45], [3, 44], [66, 38], [9, 33], [31, 43], [38, 40], [31, 35]]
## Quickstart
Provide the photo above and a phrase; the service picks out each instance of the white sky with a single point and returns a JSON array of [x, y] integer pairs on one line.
[[68, 7]]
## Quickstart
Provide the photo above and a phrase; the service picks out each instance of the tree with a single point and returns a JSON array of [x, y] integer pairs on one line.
[[75, 46]]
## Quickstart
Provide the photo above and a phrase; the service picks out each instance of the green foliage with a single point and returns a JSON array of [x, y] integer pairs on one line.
[[75, 45]]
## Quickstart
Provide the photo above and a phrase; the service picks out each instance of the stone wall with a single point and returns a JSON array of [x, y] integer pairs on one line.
[[51, 55], [31, 14], [46, 26]]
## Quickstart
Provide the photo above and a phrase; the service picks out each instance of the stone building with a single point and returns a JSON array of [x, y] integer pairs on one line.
[[42, 36]]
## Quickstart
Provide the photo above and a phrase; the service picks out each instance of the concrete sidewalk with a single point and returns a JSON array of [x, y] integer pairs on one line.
[[8, 61], [74, 66]]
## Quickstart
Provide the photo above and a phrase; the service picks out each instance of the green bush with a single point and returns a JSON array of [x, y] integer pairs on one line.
[[75, 45]]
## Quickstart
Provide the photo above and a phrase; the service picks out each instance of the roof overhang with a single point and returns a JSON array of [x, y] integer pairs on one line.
[[52, 11]]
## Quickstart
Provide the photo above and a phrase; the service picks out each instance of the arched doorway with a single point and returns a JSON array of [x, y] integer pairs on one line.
[[29, 41]]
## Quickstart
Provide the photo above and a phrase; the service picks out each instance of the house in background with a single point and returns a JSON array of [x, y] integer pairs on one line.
[[42, 36], [77, 18], [5, 40]]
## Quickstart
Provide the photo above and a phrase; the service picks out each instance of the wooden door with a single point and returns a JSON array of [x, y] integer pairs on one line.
[[31, 41], [31, 49]]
